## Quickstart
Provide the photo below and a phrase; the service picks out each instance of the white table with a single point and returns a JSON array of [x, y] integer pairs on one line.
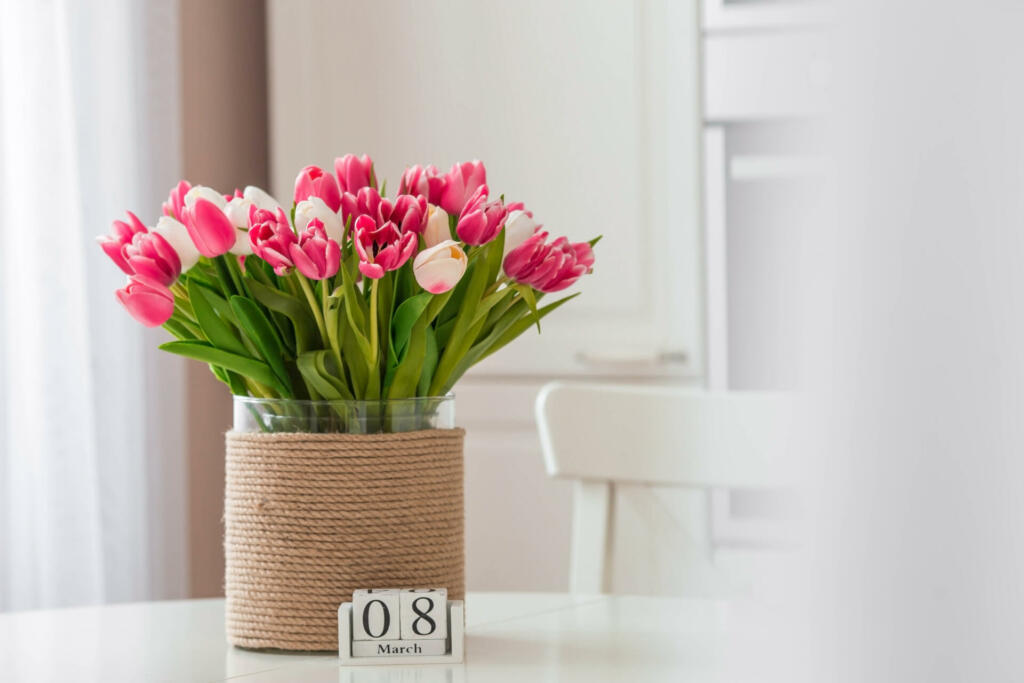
[[522, 637]]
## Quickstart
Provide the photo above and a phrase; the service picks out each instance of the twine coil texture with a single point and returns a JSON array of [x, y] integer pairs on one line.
[[308, 518]]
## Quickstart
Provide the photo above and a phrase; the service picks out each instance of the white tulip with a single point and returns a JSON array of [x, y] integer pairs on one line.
[[203, 192], [261, 199], [237, 211], [518, 228], [437, 226], [314, 207], [440, 267], [177, 236]]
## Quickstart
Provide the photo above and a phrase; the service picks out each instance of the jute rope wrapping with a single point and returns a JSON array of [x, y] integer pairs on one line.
[[310, 517]]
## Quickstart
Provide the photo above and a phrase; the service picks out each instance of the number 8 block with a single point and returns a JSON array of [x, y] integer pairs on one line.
[[375, 614], [424, 614]]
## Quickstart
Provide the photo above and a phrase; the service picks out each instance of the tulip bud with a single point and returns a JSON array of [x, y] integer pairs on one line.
[[202, 192], [121, 233], [354, 173], [316, 208], [461, 182], [147, 301], [271, 237], [313, 182], [176, 199], [152, 256], [314, 255], [518, 227], [208, 226], [437, 226], [237, 211], [440, 267], [176, 235]]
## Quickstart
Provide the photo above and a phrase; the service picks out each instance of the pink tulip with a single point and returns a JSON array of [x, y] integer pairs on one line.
[[424, 182], [382, 248], [460, 184], [313, 182], [364, 202], [176, 200], [440, 267], [121, 233], [480, 221], [209, 227], [147, 301], [316, 256], [548, 266], [152, 257], [407, 212], [272, 238], [354, 173], [410, 213]]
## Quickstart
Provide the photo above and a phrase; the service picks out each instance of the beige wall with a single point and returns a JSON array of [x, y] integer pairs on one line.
[[224, 116]]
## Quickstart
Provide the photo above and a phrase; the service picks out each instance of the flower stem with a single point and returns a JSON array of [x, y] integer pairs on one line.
[[311, 298], [373, 324], [331, 322], [497, 283]]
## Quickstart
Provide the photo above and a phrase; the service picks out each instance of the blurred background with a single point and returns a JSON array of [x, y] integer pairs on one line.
[[687, 133]]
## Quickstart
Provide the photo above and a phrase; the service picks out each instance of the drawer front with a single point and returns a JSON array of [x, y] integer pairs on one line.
[[778, 75]]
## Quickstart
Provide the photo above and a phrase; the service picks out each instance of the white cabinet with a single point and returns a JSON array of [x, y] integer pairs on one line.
[[751, 77]]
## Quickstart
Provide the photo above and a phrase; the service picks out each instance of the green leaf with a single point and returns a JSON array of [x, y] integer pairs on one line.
[[355, 361], [521, 325], [255, 370], [316, 369], [262, 332], [526, 291], [407, 376], [496, 249], [295, 310], [356, 316], [444, 332], [594, 241], [176, 328], [429, 363], [512, 324], [217, 331], [460, 339], [405, 317]]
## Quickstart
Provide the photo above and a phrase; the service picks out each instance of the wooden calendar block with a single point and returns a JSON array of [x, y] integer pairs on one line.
[[424, 613], [404, 651], [376, 614]]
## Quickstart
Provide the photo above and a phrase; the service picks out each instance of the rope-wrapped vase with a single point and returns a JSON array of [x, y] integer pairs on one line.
[[311, 517]]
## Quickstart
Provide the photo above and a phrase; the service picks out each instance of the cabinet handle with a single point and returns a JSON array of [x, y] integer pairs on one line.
[[607, 359]]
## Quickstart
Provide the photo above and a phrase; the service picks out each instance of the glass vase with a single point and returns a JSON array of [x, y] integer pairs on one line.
[[384, 416]]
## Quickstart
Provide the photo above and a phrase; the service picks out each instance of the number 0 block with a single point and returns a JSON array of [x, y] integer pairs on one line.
[[375, 614], [424, 614]]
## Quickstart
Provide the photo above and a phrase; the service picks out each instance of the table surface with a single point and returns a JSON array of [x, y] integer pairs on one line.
[[509, 637]]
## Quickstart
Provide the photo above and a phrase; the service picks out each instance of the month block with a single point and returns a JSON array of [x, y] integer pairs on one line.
[[375, 614], [397, 648], [424, 613]]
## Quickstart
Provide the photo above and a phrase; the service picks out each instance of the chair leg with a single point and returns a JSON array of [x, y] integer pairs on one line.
[[590, 517]]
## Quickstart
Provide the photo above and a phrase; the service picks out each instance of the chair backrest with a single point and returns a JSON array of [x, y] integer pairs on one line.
[[600, 434]]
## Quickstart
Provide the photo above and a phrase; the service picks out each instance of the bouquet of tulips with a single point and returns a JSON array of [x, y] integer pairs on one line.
[[348, 294]]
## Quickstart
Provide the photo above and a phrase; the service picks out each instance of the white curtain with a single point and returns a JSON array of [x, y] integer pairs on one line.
[[91, 456]]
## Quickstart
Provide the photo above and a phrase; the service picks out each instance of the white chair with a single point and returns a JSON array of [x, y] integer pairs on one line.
[[601, 435]]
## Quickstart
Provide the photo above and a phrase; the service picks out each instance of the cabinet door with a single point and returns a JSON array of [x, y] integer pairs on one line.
[[586, 111]]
